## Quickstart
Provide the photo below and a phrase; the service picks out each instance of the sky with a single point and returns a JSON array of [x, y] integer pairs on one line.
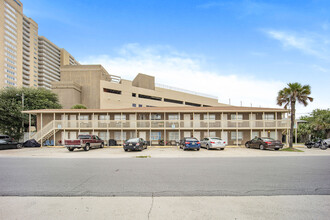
[[241, 51]]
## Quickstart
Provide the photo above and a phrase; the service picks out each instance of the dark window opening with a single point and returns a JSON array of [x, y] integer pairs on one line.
[[193, 104], [133, 105], [173, 101], [207, 106], [149, 106], [134, 94], [150, 97], [140, 105], [112, 91]]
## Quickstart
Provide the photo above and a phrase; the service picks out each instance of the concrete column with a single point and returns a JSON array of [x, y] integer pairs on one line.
[[29, 126]]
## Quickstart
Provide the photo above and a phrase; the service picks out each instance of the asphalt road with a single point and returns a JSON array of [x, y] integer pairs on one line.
[[252, 176]]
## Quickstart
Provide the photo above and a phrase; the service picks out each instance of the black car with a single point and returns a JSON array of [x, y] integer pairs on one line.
[[135, 144], [264, 143], [6, 142]]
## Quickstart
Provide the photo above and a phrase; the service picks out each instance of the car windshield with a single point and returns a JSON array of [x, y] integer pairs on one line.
[[133, 140], [191, 139], [217, 139], [84, 137], [267, 139]]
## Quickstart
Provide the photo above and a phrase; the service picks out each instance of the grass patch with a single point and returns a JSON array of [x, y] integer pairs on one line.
[[143, 156], [291, 149]]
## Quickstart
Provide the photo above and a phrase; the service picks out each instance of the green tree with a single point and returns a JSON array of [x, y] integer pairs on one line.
[[11, 117], [318, 123], [79, 106], [288, 97]]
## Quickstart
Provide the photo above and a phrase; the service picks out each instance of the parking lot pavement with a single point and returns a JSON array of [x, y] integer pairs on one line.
[[154, 152]]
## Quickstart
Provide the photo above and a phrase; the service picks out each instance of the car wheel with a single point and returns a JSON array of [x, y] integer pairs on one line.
[[309, 146], [126, 150], [247, 145], [198, 149], [87, 147], [276, 148], [183, 148], [102, 145], [70, 148], [262, 147], [19, 146], [207, 147], [222, 148]]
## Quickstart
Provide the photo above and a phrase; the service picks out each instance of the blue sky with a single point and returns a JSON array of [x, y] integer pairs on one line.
[[240, 50]]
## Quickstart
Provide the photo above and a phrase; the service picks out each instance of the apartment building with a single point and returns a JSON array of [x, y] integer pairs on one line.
[[27, 59], [161, 125], [30, 52], [11, 23], [94, 87], [50, 58]]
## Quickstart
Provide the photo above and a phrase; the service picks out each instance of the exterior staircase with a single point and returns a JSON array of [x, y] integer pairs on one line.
[[45, 133]]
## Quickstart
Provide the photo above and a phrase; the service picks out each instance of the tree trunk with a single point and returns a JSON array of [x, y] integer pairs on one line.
[[293, 117]]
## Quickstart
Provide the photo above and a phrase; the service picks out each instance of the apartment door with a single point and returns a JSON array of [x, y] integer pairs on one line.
[[186, 118], [197, 118], [143, 134], [65, 119], [224, 136], [73, 121], [187, 134], [254, 118], [197, 135], [132, 118]]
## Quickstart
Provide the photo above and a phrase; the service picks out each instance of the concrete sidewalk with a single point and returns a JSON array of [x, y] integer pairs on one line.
[[253, 207]]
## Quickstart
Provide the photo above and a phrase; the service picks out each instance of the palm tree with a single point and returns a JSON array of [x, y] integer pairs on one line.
[[289, 96]]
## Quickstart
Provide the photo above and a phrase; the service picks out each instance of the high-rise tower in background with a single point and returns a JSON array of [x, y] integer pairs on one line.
[[27, 59]]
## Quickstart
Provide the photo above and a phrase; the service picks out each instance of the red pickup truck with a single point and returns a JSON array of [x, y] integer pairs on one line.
[[84, 141]]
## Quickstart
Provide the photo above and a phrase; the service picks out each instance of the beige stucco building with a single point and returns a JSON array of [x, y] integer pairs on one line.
[[160, 125], [92, 86]]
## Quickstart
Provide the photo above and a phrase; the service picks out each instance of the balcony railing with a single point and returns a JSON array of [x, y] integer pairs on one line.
[[167, 124]]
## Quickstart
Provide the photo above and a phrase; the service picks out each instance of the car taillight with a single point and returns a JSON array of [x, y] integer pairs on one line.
[[187, 142], [198, 142], [224, 142], [267, 142], [212, 142]]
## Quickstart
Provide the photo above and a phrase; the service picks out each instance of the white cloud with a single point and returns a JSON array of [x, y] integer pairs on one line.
[[176, 69], [308, 43]]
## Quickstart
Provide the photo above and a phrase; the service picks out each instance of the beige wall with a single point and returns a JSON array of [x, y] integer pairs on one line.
[[69, 93], [88, 77]]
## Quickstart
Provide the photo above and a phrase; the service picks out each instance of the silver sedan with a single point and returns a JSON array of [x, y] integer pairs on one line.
[[213, 142]]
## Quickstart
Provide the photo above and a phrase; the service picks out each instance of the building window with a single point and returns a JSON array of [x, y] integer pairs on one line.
[[173, 117], [119, 117], [269, 116], [156, 135], [209, 117], [173, 101], [173, 136], [133, 105], [150, 97], [83, 117], [193, 104], [140, 105], [239, 135], [236, 117], [156, 116], [133, 94], [112, 91]]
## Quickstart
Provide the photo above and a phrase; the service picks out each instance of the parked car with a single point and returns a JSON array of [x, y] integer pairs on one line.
[[135, 144], [84, 141], [6, 142], [264, 143], [213, 143], [190, 143]]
